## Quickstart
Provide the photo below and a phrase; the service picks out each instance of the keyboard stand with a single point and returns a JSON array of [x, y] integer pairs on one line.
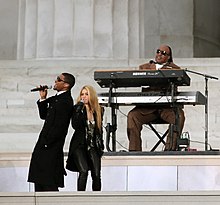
[[111, 128], [161, 137]]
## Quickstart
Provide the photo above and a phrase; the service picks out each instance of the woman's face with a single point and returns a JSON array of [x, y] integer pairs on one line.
[[85, 96]]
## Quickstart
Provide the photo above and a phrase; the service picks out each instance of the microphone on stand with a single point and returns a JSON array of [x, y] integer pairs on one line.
[[44, 87]]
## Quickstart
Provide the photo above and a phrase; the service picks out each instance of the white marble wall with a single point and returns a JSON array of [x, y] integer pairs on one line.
[[112, 29], [20, 123]]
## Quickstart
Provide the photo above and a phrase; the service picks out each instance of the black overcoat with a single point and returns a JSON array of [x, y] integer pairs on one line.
[[79, 124], [47, 162]]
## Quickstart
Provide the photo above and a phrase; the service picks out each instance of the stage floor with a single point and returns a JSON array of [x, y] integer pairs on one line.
[[162, 153]]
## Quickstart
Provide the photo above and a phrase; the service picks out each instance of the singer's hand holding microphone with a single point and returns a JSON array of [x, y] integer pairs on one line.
[[79, 106], [41, 88]]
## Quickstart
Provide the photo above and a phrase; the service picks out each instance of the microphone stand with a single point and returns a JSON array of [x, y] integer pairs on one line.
[[206, 105]]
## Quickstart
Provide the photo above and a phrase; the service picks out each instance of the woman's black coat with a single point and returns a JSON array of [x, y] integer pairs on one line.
[[79, 124]]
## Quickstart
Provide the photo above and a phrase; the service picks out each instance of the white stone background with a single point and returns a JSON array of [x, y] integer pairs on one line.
[[20, 123]]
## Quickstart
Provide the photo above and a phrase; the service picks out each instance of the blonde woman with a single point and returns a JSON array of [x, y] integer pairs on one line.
[[86, 146]]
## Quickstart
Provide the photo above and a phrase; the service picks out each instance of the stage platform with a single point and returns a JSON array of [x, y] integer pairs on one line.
[[129, 172], [140, 178], [163, 153]]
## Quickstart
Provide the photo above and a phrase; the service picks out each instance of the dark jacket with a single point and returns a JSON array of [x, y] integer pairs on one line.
[[152, 66], [47, 162], [79, 124]]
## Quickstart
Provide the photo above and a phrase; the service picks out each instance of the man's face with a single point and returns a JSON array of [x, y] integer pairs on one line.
[[162, 54], [60, 83]]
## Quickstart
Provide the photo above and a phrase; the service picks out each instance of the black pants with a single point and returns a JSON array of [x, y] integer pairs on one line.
[[41, 187], [88, 160]]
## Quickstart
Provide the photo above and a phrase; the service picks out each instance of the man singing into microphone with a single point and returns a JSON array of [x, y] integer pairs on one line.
[[46, 169]]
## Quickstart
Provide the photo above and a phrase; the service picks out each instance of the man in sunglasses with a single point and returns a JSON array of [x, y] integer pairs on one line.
[[46, 169], [163, 59], [146, 114]]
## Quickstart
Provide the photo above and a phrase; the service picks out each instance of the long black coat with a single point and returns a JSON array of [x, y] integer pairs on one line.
[[47, 162], [79, 124]]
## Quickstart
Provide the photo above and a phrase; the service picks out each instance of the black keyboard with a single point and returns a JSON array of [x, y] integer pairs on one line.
[[138, 78]]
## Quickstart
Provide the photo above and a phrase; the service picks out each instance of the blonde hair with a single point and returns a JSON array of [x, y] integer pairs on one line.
[[93, 103]]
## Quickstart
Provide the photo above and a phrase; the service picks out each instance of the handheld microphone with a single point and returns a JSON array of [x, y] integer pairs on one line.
[[44, 87], [80, 105], [152, 61]]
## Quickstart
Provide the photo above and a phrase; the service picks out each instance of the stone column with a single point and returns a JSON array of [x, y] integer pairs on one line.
[[107, 29]]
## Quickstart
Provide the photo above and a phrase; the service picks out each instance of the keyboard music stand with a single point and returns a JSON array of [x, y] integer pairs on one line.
[[111, 128]]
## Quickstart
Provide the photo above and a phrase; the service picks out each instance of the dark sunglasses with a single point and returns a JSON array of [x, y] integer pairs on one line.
[[59, 79], [162, 52]]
